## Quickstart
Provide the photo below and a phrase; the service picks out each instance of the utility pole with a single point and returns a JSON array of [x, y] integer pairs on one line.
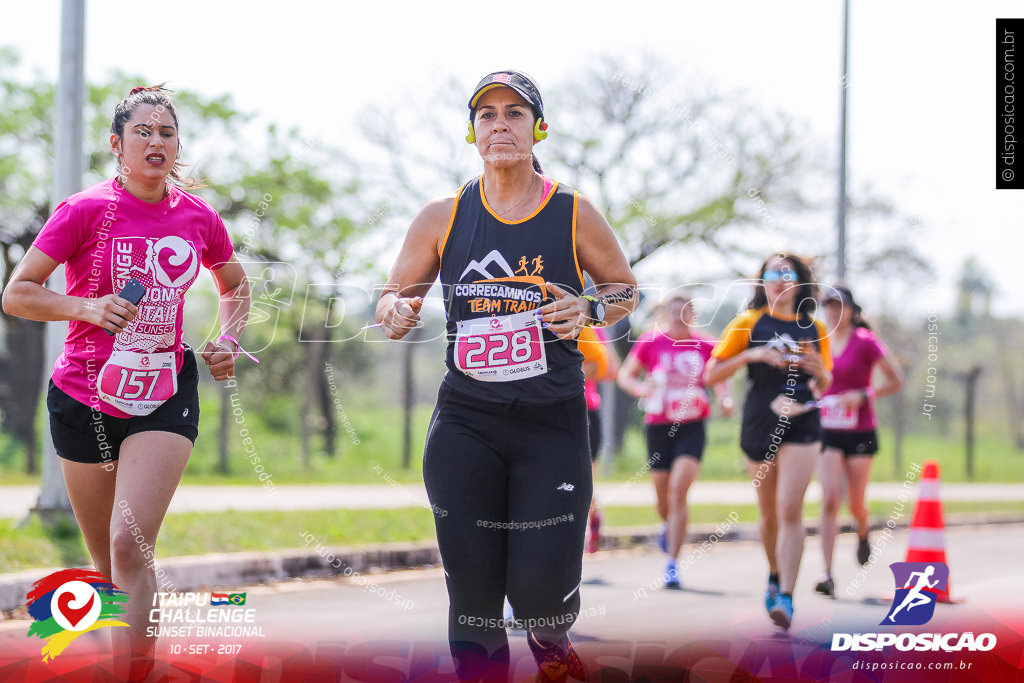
[[67, 180], [844, 83], [408, 395], [971, 388]]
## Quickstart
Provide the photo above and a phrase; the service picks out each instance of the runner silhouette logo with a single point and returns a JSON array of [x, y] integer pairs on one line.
[[917, 587]]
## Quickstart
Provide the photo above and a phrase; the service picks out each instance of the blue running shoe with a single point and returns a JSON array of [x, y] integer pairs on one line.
[[781, 612], [671, 576], [663, 538], [771, 594]]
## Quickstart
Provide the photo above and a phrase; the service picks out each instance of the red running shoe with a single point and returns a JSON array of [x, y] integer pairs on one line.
[[556, 663]]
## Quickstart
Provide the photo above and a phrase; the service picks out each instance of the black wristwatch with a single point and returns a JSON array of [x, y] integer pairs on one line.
[[597, 310]]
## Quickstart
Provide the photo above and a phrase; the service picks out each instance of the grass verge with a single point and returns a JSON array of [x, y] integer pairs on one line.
[[36, 545]]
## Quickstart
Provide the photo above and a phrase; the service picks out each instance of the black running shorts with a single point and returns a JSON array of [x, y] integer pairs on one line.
[[85, 434], [851, 443], [666, 442]]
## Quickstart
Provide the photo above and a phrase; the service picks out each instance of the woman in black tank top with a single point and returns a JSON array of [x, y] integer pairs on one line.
[[507, 462], [786, 354]]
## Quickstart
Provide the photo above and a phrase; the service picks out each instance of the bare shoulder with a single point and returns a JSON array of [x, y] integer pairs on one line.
[[437, 211], [587, 215], [432, 220]]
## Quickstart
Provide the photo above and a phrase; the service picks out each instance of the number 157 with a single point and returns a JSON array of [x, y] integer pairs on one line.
[[135, 379]]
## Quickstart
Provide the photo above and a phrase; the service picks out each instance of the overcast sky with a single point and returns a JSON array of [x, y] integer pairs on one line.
[[921, 80]]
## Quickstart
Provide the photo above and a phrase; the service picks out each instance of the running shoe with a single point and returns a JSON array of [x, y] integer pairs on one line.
[[557, 662], [771, 594], [781, 612], [663, 538], [671, 576], [826, 587], [594, 542], [863, 551]]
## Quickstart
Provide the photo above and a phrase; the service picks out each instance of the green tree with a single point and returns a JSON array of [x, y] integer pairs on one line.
[[296, 216], [26, 141], [974, 292]]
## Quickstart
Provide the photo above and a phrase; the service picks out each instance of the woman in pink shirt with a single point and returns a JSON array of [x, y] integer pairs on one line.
[[123, 399], [666, 369], [848, 421]]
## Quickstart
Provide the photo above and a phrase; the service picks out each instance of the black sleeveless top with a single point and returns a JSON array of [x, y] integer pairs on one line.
[[492, 275], [757, 327]]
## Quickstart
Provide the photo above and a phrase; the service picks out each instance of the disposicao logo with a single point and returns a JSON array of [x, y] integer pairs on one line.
[[917, 587], [71, 602]]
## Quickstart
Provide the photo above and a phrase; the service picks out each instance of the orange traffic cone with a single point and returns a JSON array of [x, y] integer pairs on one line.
[[927, 536]]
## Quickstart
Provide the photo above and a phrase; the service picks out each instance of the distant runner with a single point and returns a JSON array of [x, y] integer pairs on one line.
[[788, 361], [665, 368], [850, 438]]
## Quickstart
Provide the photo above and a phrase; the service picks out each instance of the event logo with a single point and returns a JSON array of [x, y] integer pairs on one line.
[[917, 587], [183, 259], [170, 262], [71, 602]]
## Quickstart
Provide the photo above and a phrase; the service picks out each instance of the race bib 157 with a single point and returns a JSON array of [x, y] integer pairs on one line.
[[138, 383]]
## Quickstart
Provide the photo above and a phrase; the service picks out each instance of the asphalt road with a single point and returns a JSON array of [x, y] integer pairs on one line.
[[627, 620]]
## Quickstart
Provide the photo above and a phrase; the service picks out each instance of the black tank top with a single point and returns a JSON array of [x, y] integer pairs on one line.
[[492, 274], [767, 381]]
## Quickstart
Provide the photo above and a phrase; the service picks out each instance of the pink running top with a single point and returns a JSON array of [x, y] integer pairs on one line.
[[675, 371], [851, 369], [105, 235]]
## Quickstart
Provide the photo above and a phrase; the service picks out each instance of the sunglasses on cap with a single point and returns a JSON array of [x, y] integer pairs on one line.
[[779, 275]]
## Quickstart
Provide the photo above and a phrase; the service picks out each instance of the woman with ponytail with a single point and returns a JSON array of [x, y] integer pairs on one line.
[[850, 440], [124, 396]]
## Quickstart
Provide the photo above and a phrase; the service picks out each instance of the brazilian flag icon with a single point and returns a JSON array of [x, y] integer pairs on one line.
[[237, 599]]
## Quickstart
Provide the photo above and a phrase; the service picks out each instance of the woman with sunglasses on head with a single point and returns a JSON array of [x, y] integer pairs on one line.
[[123, 399], [506, 462], [786, 353], [848, 419]]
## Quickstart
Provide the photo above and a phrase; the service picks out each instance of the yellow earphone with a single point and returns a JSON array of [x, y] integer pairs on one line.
[[539, 131]]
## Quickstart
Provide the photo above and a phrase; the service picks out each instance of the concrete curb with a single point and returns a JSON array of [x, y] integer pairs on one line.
[[194, 572], [199, 572]]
